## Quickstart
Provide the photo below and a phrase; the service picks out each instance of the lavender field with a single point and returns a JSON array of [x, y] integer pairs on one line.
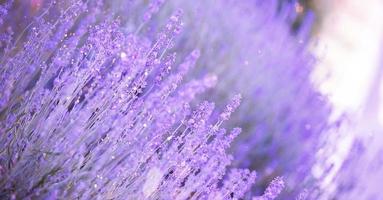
[[178, 99]]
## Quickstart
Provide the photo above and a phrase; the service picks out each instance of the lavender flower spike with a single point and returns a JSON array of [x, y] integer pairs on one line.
[[276, 186]]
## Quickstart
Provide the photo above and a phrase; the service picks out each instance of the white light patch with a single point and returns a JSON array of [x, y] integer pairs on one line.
[[153, 180], [123, 56], [351, 41]]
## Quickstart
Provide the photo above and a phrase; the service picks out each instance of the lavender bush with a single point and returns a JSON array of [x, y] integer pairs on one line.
[[250, 46], [97, 103]]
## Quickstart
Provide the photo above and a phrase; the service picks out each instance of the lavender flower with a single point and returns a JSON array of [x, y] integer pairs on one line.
[[92, 112], [276, 186], [100, 100], [251, 48]]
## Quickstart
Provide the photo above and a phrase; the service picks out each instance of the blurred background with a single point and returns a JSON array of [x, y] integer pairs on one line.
[[348, 40], [350, 36], [350, 72]]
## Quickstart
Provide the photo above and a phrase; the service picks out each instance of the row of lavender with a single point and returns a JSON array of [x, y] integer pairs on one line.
[[99, 101], [89, 111]]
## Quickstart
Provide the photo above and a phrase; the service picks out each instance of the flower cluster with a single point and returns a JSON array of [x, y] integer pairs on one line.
[[103, 100], [89, 110], [252, 49]]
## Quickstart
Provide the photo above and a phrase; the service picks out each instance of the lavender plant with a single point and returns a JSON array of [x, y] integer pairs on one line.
[[250, 46], [97, 101], [89, 111]]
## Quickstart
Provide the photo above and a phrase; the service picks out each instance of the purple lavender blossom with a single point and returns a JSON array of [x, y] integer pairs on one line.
[[100, 100], [89, 111], [252, 49]]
